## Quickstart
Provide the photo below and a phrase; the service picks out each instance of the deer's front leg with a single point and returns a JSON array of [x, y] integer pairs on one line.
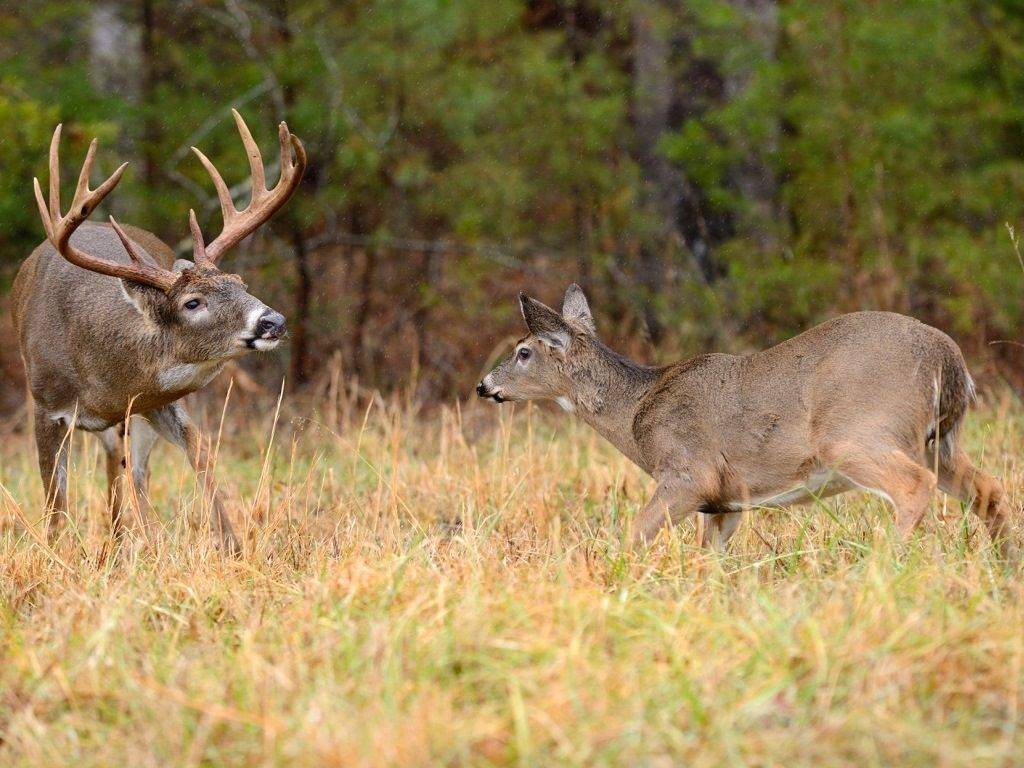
[[173, 424], [52, 444], [673, 499], [719, 528]]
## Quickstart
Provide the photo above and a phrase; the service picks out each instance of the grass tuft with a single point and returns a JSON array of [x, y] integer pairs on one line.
[[453, 590]]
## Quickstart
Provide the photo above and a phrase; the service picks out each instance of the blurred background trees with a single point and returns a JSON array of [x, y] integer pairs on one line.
[[716, 173]]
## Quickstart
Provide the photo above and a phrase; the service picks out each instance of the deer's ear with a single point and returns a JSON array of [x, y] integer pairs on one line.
[[576, 310], [181, 265], [140, 296], [544, 323]]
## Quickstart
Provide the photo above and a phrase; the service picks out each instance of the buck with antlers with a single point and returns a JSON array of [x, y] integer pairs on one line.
[[110, 324], [869, 400]]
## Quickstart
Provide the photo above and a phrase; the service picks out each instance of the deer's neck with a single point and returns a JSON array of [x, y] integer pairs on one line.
[[158, 362], [606, 391]]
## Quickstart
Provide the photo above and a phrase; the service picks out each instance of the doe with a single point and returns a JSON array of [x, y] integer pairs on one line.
[[868, 400]]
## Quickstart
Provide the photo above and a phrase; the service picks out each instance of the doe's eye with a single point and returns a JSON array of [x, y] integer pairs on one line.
[[524, 353], [192, 304]]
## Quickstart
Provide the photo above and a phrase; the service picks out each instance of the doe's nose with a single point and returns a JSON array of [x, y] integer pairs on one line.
[[271, 325], [481, 390]]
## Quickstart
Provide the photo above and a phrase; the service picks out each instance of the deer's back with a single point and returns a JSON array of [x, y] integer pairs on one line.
[[858, 372]]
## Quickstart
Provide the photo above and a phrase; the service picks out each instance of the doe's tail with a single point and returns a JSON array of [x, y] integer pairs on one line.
[[954, 393]]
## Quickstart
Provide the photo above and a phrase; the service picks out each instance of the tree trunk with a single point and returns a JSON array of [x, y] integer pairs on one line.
[[299, 373], [662, 183], [362, 313], [754, 179], [303, 298], [150, 125], [584, 244]]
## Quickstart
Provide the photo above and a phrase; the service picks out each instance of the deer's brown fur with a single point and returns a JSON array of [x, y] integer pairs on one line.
[[109, 324], [869, 400]]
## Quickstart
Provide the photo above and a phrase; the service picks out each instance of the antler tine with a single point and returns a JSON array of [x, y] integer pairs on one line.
[[252, 150], [103, 189], [140, 271], [227, 206], [291, 145], [59, 228], [198, 246], [55, 173], [129, 246], [82, 188], [44, 213], [264, 202], [284, 143]]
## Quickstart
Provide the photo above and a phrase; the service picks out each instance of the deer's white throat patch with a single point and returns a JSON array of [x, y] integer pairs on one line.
[[566, 404], [188, 375]]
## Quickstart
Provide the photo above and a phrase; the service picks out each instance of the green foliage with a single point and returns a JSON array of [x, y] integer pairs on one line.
[[830, 154], [896, 132], [27, 128]]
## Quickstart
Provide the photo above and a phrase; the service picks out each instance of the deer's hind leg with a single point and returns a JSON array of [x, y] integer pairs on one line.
[[139, 442], [984, 493], [112, 440], [128, 449], [892, 473]]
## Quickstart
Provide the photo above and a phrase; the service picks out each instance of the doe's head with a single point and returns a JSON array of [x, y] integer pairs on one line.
[[542, 363]]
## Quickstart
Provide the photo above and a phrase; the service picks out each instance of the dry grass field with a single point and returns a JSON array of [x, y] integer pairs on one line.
[[453, 590]]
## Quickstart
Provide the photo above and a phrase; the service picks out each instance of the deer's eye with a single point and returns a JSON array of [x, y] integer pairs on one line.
[[193, 303], [524, 353]]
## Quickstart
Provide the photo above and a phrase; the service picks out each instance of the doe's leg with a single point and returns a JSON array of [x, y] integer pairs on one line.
[[173, 424], [891, 472], [52, 445], [719, 528], [673, 499], [985, 494]]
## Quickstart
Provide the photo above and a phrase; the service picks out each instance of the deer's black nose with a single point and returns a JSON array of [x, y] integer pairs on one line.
[[481, 390], [271, 326]]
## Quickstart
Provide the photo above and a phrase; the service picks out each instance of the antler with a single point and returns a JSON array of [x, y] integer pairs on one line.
[[59, 228], [264, 202]]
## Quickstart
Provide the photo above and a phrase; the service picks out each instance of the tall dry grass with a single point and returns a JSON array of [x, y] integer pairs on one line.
[[453, 590]]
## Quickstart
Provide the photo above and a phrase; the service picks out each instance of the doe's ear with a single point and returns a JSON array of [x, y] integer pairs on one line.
[[576, 310], [544, 323]]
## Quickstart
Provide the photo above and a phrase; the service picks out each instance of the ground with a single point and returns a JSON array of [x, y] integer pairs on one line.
[[452, 589]]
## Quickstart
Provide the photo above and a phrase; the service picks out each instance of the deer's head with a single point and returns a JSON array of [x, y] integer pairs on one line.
[[545, 364], [208, 314]]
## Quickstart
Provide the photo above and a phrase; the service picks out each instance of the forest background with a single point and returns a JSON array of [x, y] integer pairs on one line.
[[718, 174]]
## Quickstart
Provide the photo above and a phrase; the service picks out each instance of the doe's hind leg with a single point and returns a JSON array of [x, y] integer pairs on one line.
[[892, 473], [986, 496]]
